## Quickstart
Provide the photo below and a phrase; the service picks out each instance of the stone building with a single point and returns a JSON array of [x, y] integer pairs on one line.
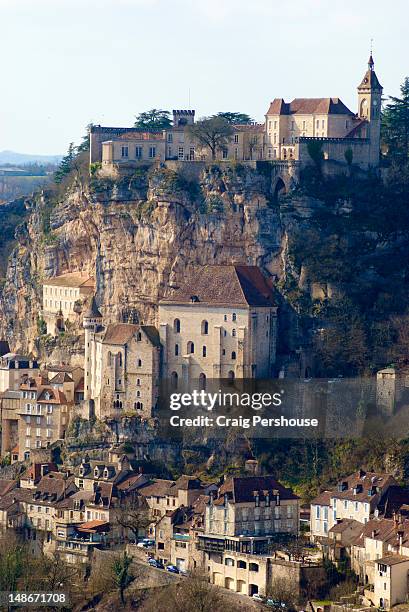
[[285, 137], [13, 368], [43, 415], [356, 497], [122, 366], [220, 324], [63, 299]]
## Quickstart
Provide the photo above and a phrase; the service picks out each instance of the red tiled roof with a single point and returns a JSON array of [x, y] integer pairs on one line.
[[309, 106]]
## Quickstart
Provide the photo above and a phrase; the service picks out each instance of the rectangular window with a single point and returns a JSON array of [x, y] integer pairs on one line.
[[181, 153], [225, 153], [170, 137], [124, 151], [138, 152], [152, 152], [236, 138]]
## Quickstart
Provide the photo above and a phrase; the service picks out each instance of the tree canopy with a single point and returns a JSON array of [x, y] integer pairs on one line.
[[395, 125], [236, 118], [212, 132], [154, 119]]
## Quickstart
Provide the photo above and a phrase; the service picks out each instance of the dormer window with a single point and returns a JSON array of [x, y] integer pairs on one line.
[[96, 473], [106, 474], [81, 471]]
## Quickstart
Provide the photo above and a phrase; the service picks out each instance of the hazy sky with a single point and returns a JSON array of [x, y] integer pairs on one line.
[[66, 63]]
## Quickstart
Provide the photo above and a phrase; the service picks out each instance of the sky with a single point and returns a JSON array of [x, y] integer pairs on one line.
[[67, 63]]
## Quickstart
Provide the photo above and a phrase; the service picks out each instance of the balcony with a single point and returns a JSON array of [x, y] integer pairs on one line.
[[211, 545]]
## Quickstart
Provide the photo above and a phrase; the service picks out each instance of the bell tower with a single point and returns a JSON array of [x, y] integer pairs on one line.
[[369, 109]]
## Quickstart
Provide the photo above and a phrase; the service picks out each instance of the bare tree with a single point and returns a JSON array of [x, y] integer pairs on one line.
[[132, 514], [192, 594], [212, 132]]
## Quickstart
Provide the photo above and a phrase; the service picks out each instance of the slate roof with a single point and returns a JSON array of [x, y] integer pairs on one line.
[[395, 499], [365, 481], [229, 285], [242, 489], [92, 312], [309, 106], [4, 347]]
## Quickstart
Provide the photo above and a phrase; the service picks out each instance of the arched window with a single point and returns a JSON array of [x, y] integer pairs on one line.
[[176, 326], [233, 332], [234, 317], [139, 363], [174, 379], [364, 108], [138, 382], [233, 355], [139, 337], [176, 349], [202, 381], [204, 351], [230, 375], [138, 394], [205, 328], [190, 348]]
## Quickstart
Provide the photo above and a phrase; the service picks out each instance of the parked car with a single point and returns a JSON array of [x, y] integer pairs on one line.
[[173, 569], [258, 597], [146, 543], [273, 603], [156, 563]]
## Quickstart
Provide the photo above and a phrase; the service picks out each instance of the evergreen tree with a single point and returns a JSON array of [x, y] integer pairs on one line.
[[66, 164], [236, 118], [395, 125], [154, 119]]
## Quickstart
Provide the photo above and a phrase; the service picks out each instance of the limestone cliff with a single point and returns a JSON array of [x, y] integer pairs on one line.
[[138, 236]]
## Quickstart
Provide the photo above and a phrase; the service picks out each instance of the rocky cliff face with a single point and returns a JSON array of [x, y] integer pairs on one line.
[[138, 236]]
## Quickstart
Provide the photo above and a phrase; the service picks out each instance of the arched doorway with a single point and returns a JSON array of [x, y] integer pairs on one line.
[[174, 380], [202, 381], [279, 189]]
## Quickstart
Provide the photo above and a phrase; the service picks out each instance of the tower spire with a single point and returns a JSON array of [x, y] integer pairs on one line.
[[371, 63]]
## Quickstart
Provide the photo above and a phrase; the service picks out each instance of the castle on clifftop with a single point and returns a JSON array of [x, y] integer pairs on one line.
[[284, 138]]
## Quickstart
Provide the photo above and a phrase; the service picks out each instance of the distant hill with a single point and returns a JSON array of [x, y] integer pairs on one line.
[[11, 157]]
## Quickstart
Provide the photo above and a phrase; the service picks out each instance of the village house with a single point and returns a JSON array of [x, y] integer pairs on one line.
[[13, 368], [285, 137], [63, 299], [43, 415], [221, 323], [355, 497]]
